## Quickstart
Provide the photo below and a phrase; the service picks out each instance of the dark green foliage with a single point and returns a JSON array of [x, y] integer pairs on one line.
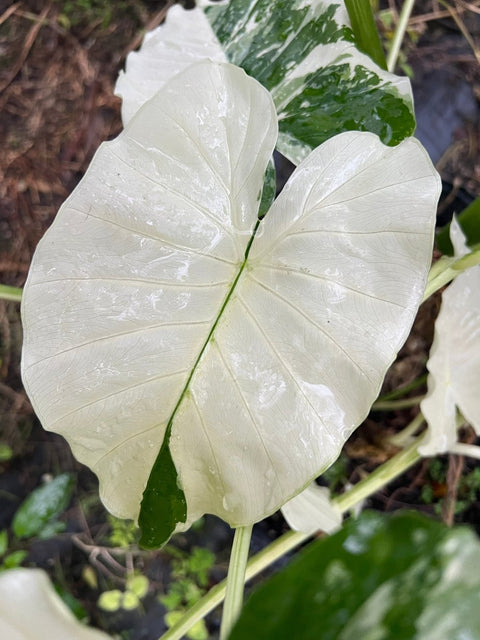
[[400, 577], [37, 514]]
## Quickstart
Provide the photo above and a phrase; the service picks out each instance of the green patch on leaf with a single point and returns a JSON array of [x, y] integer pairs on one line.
[[269, 189], [163, 504], [353, 100]]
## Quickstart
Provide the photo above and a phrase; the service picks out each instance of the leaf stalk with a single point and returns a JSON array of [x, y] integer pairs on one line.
[[400, 31], [10, 293], [235, 579]]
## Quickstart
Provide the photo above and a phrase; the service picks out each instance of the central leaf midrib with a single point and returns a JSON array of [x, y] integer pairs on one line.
[[163, 491], [211, 332]]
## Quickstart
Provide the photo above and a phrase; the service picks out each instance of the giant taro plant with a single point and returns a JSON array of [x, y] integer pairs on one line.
[[201, 350]]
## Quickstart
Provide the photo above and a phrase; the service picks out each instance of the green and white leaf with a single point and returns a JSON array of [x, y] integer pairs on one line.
[[382, 577], [454, 362], [30, 609], [302, 52], [160, 315]]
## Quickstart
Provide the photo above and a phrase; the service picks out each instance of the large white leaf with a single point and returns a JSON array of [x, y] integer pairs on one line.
[[185, 38], [30, 609], [454, 362], [142, 315]]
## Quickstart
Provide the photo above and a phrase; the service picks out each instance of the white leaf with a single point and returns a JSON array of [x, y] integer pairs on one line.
[[30, 609], [185, 38], [454, 362], [140, 310], [312, 511]]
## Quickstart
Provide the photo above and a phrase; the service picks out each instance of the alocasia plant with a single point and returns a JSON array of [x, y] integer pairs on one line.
[[197, 356]]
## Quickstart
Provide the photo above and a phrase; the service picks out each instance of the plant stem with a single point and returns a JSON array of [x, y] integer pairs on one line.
[[289, 541], [10, 293], [392, 56], [235, 579], [401, 391], [365, 30], [463, 449], [403, 437], [448, 268], [388, 405]]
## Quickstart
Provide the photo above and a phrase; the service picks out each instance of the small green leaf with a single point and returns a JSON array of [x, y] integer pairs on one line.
[[198, 631], [3, 541], [14, 559], [401, 577], [138, 585], [172, 617], [130, 601], [43, 505], [110, 600], [172, 600]]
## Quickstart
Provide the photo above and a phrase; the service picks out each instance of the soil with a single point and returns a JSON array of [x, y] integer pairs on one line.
[[60, 60]]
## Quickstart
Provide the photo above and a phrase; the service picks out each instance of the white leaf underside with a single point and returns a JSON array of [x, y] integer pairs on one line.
[[454, 362], [127, 284], [30, 609]]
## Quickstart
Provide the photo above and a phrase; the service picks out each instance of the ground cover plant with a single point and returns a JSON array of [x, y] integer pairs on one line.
[[297, 366]]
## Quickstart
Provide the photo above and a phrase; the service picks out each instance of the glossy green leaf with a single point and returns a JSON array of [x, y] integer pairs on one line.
[[43, 505], [30, 609], [304, 53], [195, 355], [400, 577]]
